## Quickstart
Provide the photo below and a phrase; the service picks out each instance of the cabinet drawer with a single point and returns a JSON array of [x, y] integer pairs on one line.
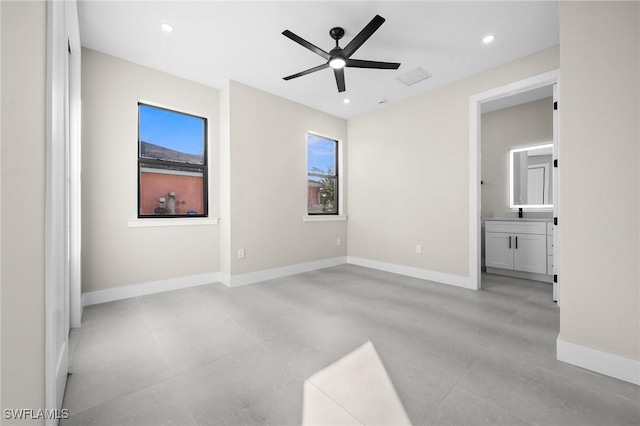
[[550, 228], [516, 227]]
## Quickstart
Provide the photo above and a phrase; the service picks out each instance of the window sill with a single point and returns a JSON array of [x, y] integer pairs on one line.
[[323, 218], [194, 221]]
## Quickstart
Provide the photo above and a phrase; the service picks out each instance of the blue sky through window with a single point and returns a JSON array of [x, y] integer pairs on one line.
[[173, 130], [321, 153]]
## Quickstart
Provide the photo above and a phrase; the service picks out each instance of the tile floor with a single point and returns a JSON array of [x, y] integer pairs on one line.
[[212, 355]]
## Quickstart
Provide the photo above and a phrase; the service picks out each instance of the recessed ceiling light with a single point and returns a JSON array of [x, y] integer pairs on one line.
[[488, 39], [166, 27], [346, 101]]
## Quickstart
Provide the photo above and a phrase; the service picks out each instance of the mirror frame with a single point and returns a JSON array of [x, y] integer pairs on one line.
[[512, 151]]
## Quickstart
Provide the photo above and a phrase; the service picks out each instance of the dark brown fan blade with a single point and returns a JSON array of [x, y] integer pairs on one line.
[[357, 63], [363, 36], [340, 79], [309, 71], [305, 43]]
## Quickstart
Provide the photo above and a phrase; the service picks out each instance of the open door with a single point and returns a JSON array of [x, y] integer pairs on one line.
[[556, 196], [62, 195]]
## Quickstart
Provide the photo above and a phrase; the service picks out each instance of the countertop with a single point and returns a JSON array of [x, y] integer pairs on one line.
[[517, 219]]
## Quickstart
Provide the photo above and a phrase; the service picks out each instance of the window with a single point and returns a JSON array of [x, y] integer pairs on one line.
[[172, 163], [322, 175]]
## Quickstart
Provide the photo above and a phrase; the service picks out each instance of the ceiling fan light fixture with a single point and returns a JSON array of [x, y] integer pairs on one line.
[[488, 38], [337, 63]]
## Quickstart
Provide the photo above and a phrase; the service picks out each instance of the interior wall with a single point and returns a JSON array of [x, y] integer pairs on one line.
[[409, 173], [23, 86], [515, 127], [114, 254], [225, 182], [268, 189], [599, 167]]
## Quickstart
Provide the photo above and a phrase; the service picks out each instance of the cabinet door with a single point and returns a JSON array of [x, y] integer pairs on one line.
[[498, 250], [530, 253]]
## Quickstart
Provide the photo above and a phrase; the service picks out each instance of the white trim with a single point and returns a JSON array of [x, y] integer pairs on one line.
[[474, 192], [75, 165], [324, 218], [173, 108], [475, 101], [606, 363], [119, 293], [57, 204], [424, 274], [270, 274], [341, 173], [173, 221]]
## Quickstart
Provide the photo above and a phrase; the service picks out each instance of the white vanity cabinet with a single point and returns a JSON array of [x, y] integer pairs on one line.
[[518, 248]]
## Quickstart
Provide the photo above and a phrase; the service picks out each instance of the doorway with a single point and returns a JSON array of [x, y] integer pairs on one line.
[[62, 199], [504, 95]]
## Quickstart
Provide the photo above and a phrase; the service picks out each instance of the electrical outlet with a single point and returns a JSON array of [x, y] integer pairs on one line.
[[338, 242], [241, 254], [418, 248]]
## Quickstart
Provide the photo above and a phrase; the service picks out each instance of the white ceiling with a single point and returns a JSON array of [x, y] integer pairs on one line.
[[215, 41]]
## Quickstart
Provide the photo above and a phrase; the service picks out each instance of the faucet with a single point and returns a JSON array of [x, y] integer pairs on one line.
[[520, 213]]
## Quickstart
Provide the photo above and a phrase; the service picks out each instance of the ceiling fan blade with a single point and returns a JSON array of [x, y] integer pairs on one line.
[[305, 72], [305, 43], [363, 36], [357, 63], [339, 72]]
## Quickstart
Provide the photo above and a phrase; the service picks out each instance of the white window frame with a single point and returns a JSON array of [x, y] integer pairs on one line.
[[136, 222], [341, 216]]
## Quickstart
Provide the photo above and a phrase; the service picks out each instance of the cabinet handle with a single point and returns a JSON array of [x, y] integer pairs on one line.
[[516, 242], [509, 241]]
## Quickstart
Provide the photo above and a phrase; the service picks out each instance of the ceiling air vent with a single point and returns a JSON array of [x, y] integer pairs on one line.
[[414, 76]]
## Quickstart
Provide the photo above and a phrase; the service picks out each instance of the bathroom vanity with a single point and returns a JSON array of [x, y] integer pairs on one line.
[[520, 247]]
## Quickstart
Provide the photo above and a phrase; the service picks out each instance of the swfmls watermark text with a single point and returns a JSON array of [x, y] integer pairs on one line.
[[31, 414]]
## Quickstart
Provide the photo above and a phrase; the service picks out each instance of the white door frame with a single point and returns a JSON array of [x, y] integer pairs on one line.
[[75, 115], [62, 193], [546, 79]]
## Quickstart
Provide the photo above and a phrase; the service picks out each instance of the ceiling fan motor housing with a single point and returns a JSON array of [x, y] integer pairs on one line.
[[336, 33]]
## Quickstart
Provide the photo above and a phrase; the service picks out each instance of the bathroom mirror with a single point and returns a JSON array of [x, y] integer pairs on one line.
[[531, 176]]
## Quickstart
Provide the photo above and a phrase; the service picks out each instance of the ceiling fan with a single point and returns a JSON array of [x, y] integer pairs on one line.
[[339, 58]]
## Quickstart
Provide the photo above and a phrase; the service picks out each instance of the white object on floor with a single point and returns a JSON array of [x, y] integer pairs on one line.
[[356, 389]]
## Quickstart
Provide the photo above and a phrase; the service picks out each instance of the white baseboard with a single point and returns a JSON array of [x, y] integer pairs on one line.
[[606, 363], [270, 274], [118, 293], [410, 271], [102, 296]]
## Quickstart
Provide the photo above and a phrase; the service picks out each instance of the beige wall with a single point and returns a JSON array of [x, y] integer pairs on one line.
[[257, 188], [23, 28], [268, 192], [599, 166], [113, 254], [502, 130], [409, 173], [225, 181]]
